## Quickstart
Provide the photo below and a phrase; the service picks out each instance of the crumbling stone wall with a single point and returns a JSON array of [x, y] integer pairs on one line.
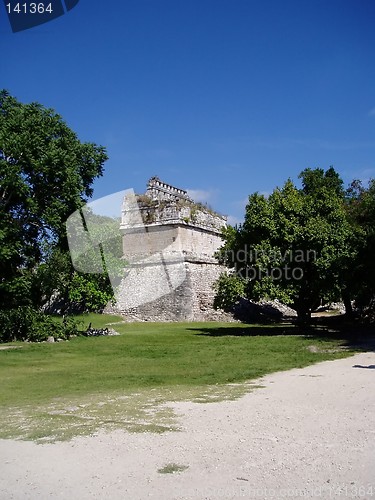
[[190, 301], [175, 237], [202, 276]]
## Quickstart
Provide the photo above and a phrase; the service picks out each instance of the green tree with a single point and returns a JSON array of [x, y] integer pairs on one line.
[[361, 210], [294, 244], [314, 180], [229, 288], [46, 173], [87, 288]]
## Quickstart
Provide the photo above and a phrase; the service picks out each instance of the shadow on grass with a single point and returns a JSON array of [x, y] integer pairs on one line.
[[351, 334], [247, 330]]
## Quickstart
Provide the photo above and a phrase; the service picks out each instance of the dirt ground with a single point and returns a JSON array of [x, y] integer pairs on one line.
[[307, 433]]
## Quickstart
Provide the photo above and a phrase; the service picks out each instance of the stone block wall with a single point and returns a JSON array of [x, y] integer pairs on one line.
[[169, 243], [192, 300]]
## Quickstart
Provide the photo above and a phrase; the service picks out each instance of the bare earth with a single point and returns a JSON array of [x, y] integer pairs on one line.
[[308, 433]]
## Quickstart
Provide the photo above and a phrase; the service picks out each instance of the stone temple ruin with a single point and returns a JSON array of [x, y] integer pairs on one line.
[[169, 243]]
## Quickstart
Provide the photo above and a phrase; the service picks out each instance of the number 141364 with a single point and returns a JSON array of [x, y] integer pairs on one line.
[[30, 8]]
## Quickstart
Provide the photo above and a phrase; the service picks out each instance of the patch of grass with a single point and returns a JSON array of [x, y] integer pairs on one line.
[[56, 391], [142, 411], [172, 468]]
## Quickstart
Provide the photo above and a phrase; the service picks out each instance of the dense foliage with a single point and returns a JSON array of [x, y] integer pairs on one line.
[[303, 246], [361, 211], [46, 173], [28, 324]]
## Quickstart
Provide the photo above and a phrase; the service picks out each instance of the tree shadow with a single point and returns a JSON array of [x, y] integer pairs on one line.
[[245, 330], [357, 336], [350, 334]]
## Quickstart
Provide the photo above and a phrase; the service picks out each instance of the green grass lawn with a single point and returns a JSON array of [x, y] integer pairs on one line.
[[54, 391]]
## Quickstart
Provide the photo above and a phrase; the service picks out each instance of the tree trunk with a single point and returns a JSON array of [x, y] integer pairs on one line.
[[303, 314], [347, 304]]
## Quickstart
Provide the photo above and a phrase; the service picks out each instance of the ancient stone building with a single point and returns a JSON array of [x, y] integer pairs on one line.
[[169, 243]]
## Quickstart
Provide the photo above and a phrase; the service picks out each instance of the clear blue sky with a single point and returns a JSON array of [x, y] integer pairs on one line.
[[223, 97]]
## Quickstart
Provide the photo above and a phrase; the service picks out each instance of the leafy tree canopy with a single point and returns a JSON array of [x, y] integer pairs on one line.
[[46, 173], [294, 244], [361, 210]]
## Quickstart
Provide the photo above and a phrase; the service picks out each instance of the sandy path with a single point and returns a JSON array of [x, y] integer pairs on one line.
[[307, 433]]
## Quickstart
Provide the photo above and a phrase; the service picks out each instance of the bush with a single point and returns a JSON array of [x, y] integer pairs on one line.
[[28, 324], [229, 289], [90, 292]]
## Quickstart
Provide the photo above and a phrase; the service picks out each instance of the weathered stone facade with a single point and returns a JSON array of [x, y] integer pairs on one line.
[[169, 242]]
